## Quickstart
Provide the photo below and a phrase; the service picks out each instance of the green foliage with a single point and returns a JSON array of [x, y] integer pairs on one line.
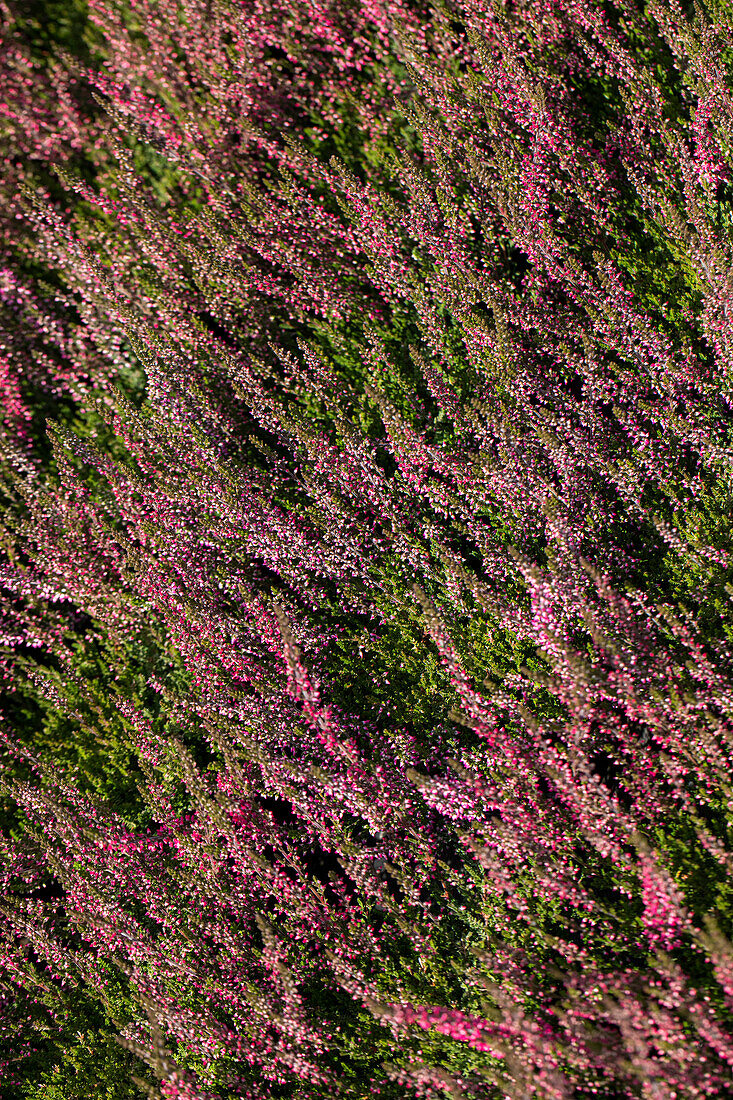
[[49, 26]]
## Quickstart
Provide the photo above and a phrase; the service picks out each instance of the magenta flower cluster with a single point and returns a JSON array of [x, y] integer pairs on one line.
[[566, 420]]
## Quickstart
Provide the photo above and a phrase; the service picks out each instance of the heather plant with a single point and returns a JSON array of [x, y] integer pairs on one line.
[[507, 865], [43, 123]]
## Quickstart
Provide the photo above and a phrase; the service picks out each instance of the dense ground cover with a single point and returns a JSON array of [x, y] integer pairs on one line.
[[367, 594]]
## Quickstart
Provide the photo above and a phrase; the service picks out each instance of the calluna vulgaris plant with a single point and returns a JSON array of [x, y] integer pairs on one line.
[[390, 618]]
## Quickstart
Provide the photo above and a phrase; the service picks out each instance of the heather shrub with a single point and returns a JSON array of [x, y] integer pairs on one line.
[[451, 621], [45, 122]]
